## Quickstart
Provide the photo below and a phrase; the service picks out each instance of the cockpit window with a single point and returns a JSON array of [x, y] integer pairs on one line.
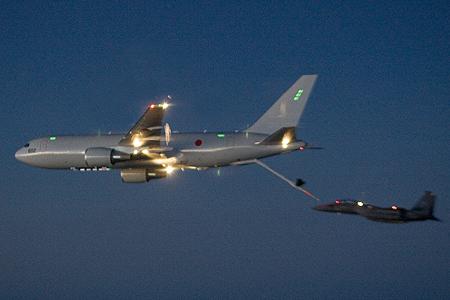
[[26, 145]]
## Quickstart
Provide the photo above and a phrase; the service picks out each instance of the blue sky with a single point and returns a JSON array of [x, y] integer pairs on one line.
[[380, 108]]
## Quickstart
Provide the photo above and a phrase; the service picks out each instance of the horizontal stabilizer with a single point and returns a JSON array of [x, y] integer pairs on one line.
[[277, 137]]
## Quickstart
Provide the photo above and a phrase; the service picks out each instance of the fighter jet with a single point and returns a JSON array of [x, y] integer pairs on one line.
[[151, 150], [423, 210]]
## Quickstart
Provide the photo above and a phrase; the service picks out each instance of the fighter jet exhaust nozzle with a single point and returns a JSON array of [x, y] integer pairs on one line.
[[104, 157]]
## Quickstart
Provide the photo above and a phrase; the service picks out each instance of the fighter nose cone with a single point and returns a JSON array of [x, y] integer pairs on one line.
[[320, 207]]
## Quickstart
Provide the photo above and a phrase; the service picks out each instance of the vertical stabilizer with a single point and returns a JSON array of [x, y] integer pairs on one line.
[[425, 205], [288, 109]]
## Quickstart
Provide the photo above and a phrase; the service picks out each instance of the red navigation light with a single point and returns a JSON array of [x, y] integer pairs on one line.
[[301, 148], [198, 143], [337, 202], [152, 106]]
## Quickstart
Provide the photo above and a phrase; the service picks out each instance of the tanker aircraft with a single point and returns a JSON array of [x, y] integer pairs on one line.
[[422, 210], [150, 150]]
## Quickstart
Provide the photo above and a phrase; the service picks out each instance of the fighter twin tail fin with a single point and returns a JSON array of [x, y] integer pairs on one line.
[[425, 205]]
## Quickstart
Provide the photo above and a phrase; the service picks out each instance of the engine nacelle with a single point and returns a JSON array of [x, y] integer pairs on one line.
[[104, 157], [140, 175]]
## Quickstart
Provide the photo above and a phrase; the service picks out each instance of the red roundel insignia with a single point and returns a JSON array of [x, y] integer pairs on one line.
[[198, 143]]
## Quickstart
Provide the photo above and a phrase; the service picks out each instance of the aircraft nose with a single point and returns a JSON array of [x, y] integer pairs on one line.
[[21, 155], [318, 207], [323, 207]]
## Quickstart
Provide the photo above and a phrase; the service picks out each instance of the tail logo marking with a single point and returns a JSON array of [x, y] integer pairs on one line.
[[298, 95]]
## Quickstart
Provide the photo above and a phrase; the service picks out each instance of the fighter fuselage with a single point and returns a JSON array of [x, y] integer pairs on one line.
[[423, 210]]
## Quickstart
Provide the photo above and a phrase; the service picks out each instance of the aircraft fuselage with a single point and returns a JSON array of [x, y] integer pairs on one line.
[[422, 211], [196, 150], [150, 150], [390, 215]]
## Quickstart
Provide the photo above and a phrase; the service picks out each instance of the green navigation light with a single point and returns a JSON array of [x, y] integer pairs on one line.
[[221, 135], [52, 138], [298, 95]]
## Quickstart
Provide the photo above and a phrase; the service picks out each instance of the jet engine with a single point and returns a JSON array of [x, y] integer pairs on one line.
[[104, 157], [140, 175]]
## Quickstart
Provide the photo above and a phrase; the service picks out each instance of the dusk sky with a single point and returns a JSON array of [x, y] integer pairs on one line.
[[380, 108]]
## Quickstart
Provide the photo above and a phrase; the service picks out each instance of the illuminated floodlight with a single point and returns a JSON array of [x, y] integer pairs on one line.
[[164, 105], [169, 170], [164, 161], [360, 203], [137, 142], [285, 141]]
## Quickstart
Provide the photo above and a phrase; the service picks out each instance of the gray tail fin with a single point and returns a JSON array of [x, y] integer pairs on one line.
[[288, 109], [425, 205]]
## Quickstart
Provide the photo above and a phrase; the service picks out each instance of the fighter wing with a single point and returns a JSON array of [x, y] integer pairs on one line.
[[147, 131]]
